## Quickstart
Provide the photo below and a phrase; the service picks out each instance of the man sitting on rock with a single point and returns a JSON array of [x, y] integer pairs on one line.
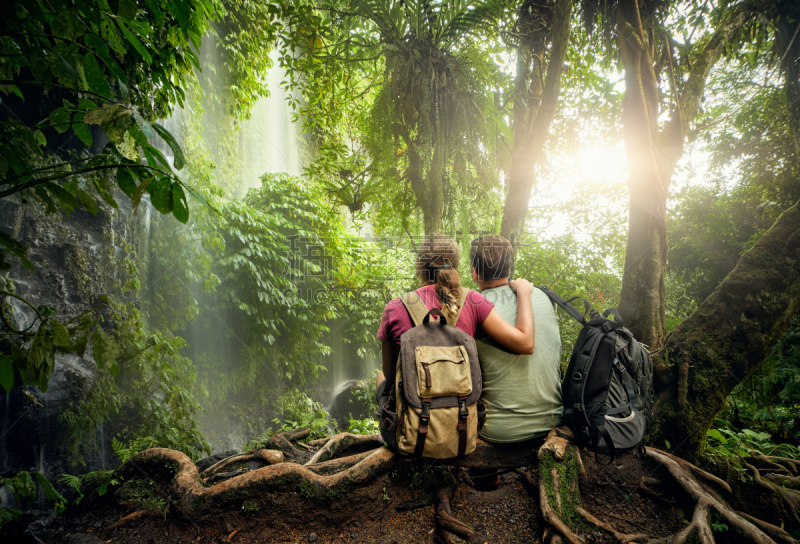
[[522, 393]]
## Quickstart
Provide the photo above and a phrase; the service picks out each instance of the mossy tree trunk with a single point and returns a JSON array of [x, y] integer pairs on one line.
[[727, 338]]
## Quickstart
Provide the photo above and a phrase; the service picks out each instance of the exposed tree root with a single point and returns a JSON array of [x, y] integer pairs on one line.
[[280, 477], [777, 534], [444, 516], [282, 443], [269, 457], [555, 450], [560, 500], [606, 527], [790, 497], [561, 467], [139, 514], [341, 463], [345, 442]]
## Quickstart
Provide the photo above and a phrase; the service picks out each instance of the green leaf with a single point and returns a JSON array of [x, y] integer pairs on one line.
[[40, 361], [145, 127], [79, 346], [125, 181], [197, 196], [100, 184], [49, 491], [102, 348], [127, 9], [716, 435], [161, 195], [88, 202], [59, 119], [86, 104], [95, 77], [134, 41], [67, 200], [60, 334], [180, 209], [6, 373], [136, 197], [16, 249], [84, 133], [173, 144]]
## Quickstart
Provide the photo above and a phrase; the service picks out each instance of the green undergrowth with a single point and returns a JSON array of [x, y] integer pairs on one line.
[[145, 494], [725, 448]]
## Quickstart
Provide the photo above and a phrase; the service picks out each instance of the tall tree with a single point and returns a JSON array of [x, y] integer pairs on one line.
[[542, 30], [647, 53], [433, 104]]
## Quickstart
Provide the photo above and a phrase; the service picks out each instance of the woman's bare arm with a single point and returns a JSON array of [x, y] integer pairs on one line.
[[387, 360], [519, 339]]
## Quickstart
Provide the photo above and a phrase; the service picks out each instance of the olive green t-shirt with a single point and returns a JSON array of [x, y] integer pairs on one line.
[[522, 393]]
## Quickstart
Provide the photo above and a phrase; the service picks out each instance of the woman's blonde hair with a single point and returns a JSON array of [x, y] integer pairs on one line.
[[437, 263]]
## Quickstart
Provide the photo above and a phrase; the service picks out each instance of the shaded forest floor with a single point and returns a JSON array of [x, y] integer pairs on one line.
[[508, 513]]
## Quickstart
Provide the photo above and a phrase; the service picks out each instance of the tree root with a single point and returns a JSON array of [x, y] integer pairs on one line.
[[279, 477], [269, 457], [561, 467], [444, 516], [559, 498], [606, 527], [341, 463], [139, 514], [790, 497], [777, 534], [345, 442], [282, 443]]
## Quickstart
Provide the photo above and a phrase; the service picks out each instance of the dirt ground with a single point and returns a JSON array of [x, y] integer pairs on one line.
[[507, 514]]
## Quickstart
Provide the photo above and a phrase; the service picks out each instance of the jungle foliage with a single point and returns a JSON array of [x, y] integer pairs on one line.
[[408, 116]]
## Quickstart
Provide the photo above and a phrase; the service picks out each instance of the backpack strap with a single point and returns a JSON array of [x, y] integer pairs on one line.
[[565, 304], [417, 309], [600, 432], [627, 383], [422, 430]]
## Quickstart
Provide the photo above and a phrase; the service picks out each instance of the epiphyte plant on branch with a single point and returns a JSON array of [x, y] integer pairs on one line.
[[432, 108]]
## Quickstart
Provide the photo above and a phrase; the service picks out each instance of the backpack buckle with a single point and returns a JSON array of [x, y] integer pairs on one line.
[[578, 407], [462, 408], [425, 415], [619, 366]]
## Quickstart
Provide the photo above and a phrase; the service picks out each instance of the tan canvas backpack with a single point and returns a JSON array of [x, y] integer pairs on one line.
[[434, 407]]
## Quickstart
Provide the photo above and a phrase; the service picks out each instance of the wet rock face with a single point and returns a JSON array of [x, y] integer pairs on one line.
[[77, 259]]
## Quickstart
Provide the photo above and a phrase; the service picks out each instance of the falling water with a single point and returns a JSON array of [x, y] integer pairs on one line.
[[6, 426], [101, 444]]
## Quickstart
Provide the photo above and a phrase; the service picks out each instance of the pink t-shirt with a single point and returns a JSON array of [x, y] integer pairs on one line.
[[395, 320]]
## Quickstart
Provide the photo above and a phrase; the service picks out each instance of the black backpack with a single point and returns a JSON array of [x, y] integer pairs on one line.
[[608, 388]]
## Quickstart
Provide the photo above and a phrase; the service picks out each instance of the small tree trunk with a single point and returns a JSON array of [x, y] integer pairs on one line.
[[652, 157], [534, 102], [789, 49], [728, 337], [641, 300]]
